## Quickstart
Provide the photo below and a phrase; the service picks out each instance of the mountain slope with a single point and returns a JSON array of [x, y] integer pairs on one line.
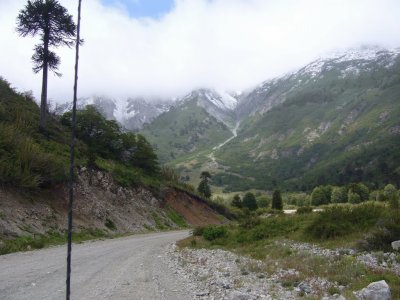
[[185, 129], [334, 121]]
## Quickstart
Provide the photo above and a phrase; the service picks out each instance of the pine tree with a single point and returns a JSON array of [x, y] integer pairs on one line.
[[51, 21], [277, 200], [203, 187]]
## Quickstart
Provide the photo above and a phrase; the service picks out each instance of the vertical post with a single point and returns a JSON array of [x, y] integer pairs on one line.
[[72, 158]]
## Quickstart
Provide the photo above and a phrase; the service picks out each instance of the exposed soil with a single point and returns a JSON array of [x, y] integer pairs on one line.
[[99, 203]]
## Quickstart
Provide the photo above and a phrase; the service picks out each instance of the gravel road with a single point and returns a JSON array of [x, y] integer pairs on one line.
[[125, 268]]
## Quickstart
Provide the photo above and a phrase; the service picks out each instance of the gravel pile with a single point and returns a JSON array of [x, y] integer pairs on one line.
[[218, 274]]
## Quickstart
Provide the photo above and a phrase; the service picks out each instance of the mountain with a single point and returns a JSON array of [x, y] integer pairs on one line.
[[139, 111], [188, 127], [132, 113], [333, 121]]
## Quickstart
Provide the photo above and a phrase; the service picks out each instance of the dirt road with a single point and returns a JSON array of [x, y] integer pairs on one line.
[[125, 268]]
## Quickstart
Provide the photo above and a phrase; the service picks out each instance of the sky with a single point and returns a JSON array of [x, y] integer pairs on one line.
[[168, 48]]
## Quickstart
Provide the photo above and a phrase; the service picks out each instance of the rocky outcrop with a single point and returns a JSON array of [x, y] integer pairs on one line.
[[374, 291], [100, 203]]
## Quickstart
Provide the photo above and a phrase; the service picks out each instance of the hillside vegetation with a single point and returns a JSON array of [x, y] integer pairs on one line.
[[331, 129], [335, 121], [32, 160]]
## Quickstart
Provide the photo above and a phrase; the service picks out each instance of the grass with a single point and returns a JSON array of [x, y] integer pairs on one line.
[[51, 238], [266, 240], [176, 218]]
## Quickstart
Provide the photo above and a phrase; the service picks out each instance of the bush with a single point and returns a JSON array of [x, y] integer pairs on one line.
[[249, 201], [304, 210], [353, 197], [388, 231], [213, 232], [321, 195], [198, 231], [263, 202], [277, 200], [338, 221], [339, 195]]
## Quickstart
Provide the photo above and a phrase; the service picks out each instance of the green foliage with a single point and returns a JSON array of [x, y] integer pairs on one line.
[[169, 174], [28, 160], [183, 128], [390, 193], [277, 200], [110, 224], [213, 232], [339, 195], [176, 218], [249, 201], [237, 202], [304, 210], [353, 198], [337, 221], [106, 139], [204, 187], [198, 231], [263, 202], [361, 190], [387, 231], [359, 144], [56, 27], [321, 195], [39, 241]]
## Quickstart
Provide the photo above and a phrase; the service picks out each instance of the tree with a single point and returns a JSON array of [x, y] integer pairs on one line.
[[144, 156], [51, 21], [392, 195], [203, 187], [321, 195], [339, 195], [237, 202], [277, 200], [249, 201], [361, 190]]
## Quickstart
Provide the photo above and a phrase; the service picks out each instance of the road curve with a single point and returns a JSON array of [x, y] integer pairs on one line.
[[124, 268]]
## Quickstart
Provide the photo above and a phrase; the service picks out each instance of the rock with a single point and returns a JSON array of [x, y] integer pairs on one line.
[[378, 290], [202, 294], [239, 296], [396, 245], [334, 297], [304, 287]]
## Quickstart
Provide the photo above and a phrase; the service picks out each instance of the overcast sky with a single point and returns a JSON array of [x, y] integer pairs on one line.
[[167, 48]]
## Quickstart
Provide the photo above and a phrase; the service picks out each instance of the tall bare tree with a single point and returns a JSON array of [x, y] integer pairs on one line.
[[51, 21]]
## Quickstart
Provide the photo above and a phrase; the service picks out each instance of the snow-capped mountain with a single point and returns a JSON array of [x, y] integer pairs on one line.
[[219, 104], [340, 64], [139, 111]]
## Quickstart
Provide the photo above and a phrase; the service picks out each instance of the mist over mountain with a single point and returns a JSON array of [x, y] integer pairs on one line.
[[335, 120]]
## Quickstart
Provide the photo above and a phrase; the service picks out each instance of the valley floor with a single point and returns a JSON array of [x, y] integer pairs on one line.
[[293, 271]]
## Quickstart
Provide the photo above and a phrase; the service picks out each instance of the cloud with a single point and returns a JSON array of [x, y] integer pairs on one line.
[[223, 44]]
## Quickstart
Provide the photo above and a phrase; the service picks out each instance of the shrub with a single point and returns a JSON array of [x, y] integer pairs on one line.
[[321, 195], [339, 195], [213, 232], [263, 202], [277, 200], [198, 231], [388, 231], [237, 202], [249, 201], [338, 221], [361, 190], [353, 197], [304, 210]]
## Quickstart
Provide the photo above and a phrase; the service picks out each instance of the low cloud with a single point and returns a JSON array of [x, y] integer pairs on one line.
[[224, 44]]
